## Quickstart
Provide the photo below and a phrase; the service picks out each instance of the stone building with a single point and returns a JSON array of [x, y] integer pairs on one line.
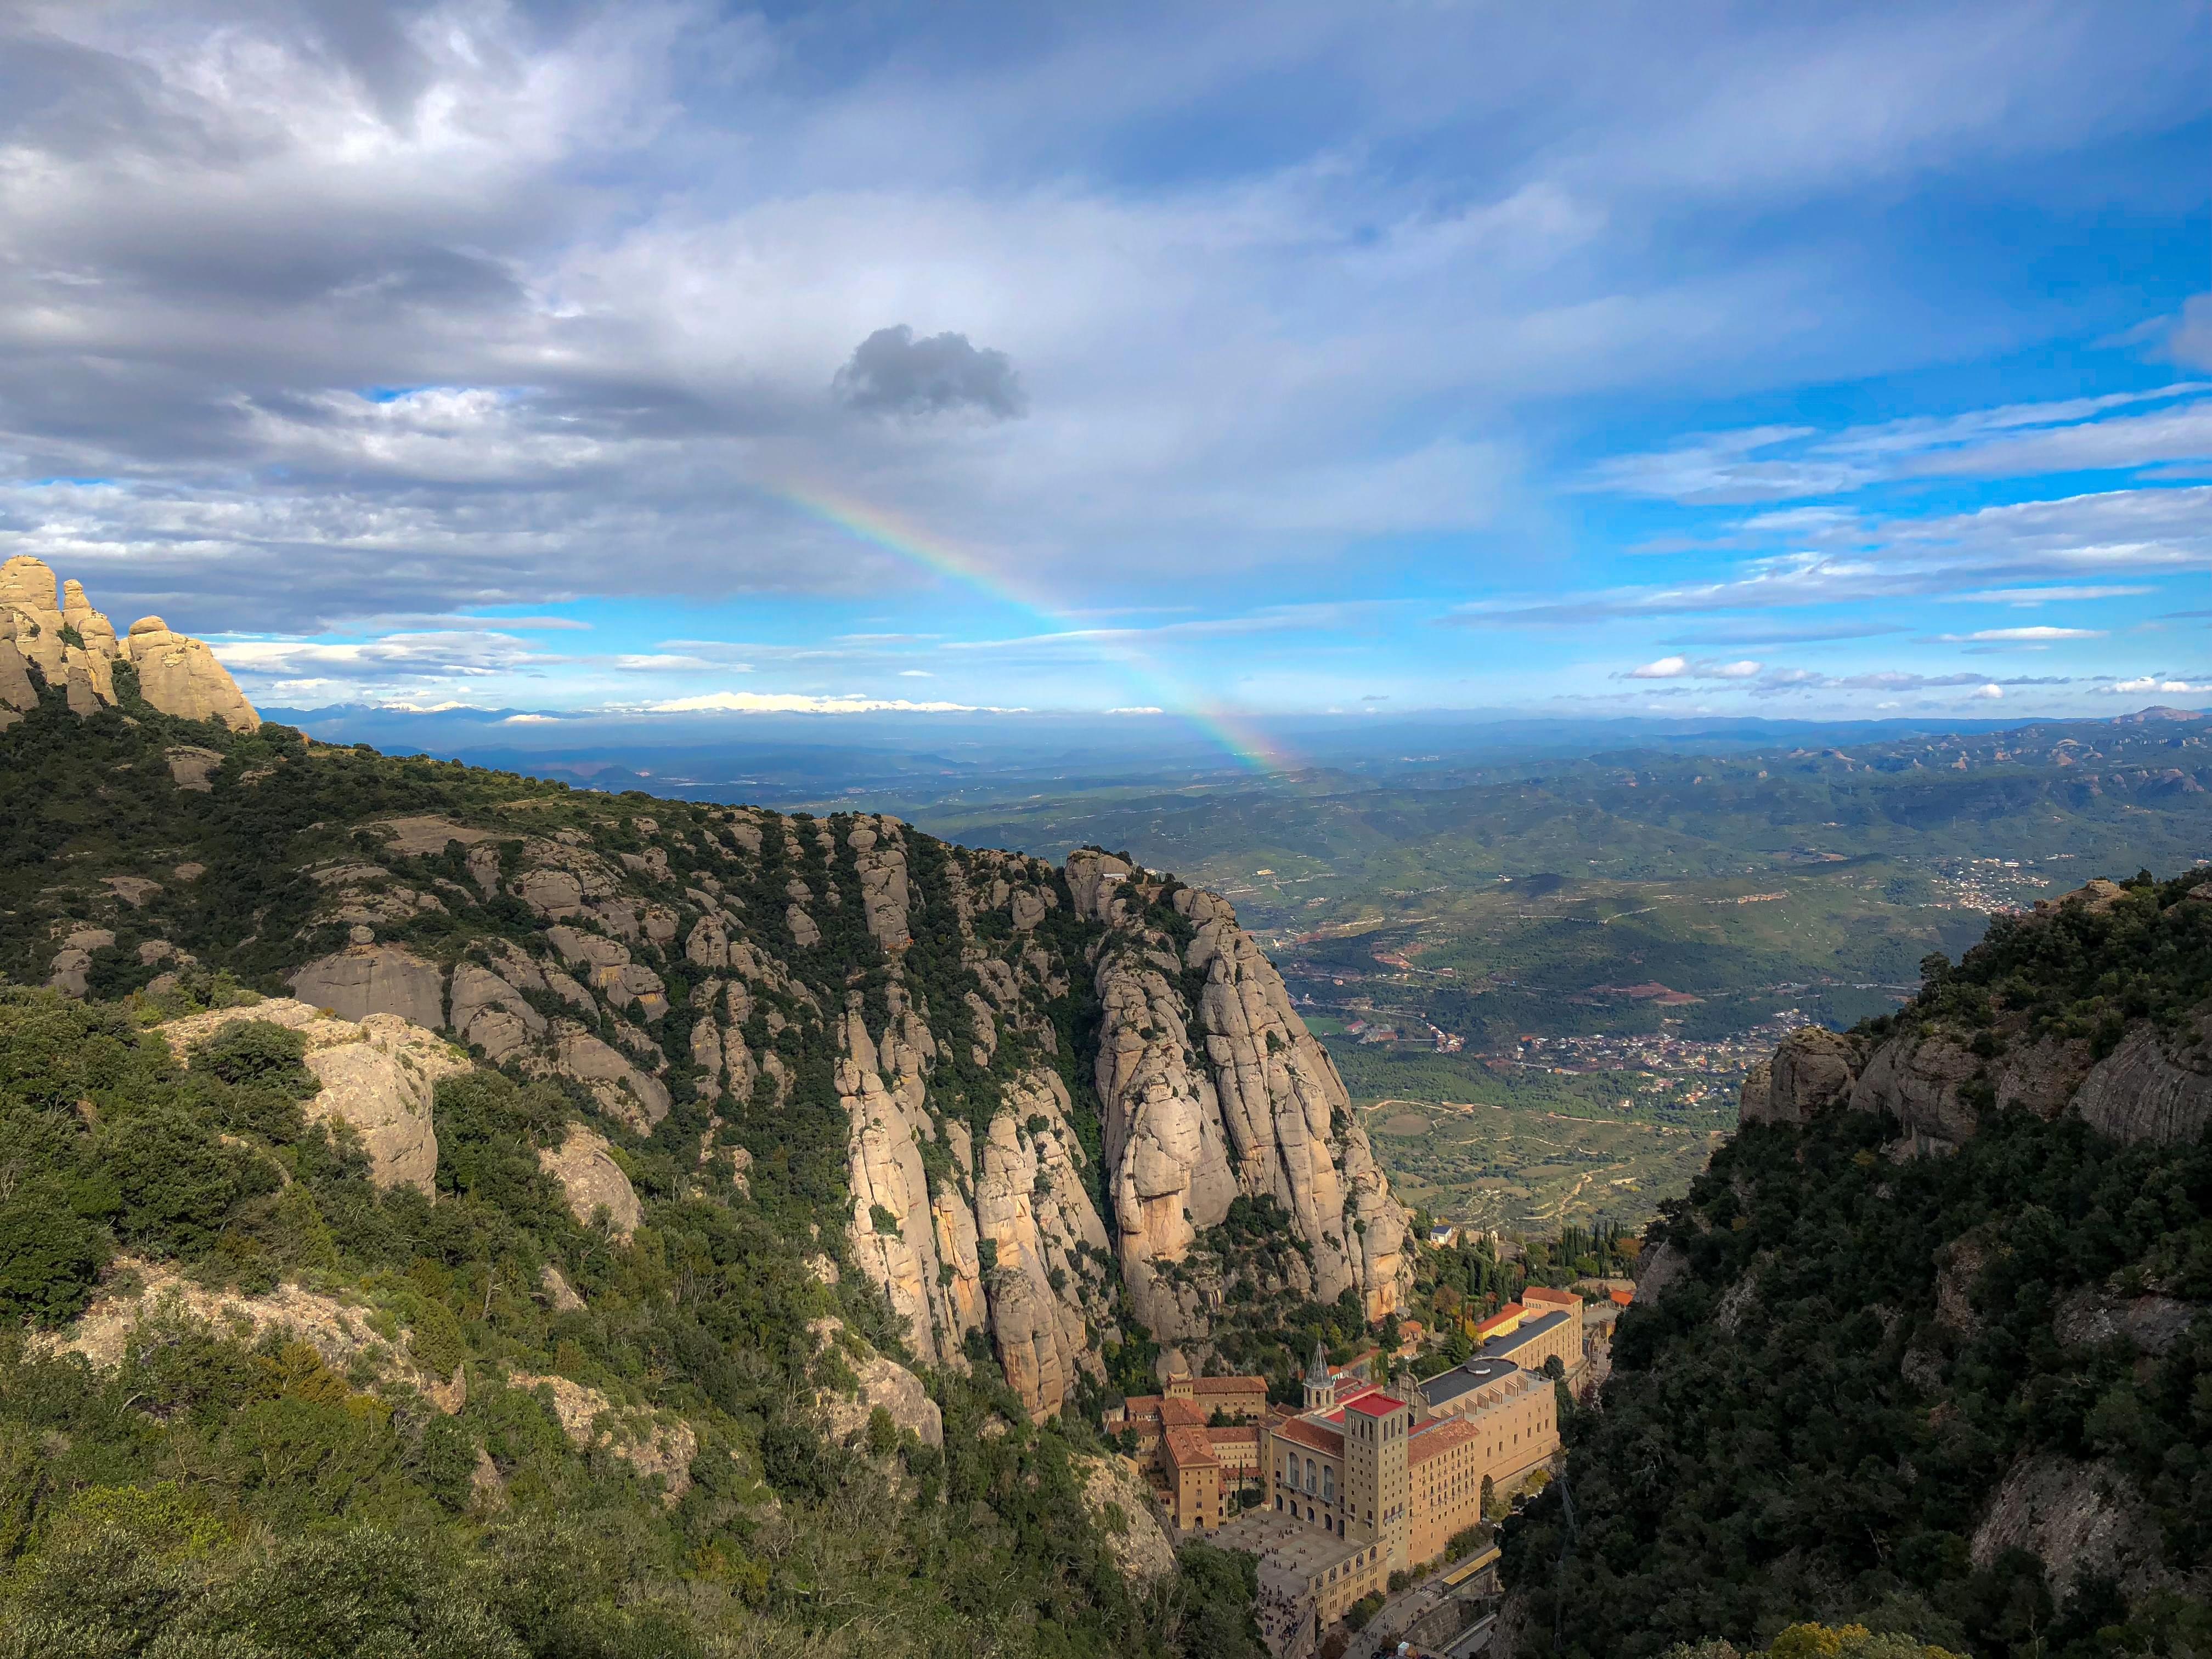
[[1195, 1462], [1389, 1481]]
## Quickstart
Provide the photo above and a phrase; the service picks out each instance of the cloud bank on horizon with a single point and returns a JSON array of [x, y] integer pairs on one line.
[[1850, 360]]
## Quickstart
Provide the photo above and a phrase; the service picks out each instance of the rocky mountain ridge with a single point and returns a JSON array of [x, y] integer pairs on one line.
[[1948, 1062], [76, 652], [1013, 1096], [1926, 1348]]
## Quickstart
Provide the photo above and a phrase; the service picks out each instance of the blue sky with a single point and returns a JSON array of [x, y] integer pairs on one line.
[[1794, 360]]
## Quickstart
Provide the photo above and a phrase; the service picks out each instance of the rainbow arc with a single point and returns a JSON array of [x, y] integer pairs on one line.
[[1154, 684]]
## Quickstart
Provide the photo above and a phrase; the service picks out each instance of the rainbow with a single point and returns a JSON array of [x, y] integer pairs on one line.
[[1235, 733]]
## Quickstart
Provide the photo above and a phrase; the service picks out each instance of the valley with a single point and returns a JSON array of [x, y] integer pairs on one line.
[[1591, 952]]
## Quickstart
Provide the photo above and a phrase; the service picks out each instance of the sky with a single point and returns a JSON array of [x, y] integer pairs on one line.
[[1222, 362]]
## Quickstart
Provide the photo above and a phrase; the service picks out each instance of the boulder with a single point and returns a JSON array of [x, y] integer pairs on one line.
[[1120, 1506], [374, 979], [1813, 1071], [2079, 1519], [2150, 1324], [378, 1075], [1916, 1079], [2152, 1088], [883, 1383], [1656, 1271], [193, 768], [180, 676], [382, 1085], [624, 1091], [591, 1181], [491, 1013]]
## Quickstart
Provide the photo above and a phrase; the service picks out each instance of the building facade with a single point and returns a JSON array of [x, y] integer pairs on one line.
[[1389, 1481]]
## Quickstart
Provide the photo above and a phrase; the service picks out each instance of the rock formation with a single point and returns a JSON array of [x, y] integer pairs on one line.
[[74, 648], [592, 1182], [1937, 1083], [378, 1076], [1812, 1070], [1234, 1097], [374, 979], [920, 998]]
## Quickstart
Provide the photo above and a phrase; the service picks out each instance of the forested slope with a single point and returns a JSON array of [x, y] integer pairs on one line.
[[444, 1213], [1924, 1347]]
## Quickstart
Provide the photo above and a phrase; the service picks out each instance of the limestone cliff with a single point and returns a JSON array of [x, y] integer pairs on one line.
[[1213, 1088], [1024, 1093], [1947, 1062], [74, 648]]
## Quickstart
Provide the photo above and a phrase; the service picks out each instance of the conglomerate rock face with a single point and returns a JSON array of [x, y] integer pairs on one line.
[[1938, 1083], [1023, 1091], [72, 647], [1230, 1096]]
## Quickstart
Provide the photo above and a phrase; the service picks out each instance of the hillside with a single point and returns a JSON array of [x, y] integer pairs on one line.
[[654, 1204], [1656, 916], [1924, 1347]]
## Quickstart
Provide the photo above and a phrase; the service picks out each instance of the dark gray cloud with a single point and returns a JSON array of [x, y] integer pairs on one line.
[[893, 373]]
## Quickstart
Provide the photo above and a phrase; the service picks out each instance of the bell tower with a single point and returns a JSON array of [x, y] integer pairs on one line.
[[1320, 1382], [1377, 1479]]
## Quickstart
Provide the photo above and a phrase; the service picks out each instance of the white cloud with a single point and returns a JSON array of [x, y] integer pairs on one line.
[[1155, 711], [2028, 597], [1992, 692], [2153, 683], [1667, 668], [2027, 635], [775, 702]]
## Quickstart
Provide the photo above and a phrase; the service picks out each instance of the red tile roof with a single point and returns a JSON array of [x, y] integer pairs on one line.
[[1188, 1449], [1376, 1404], [1545, 1293], [1510, 1310], [1229, 1385], [1180, 1414], [1623, 1298], [1304, 1431], [1440, 1435], [1232, 1437]]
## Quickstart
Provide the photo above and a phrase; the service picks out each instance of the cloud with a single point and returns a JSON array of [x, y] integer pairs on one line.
[[1137, 711], [767, 703], [1782, 462], [2026, 635], [1992, 692], [892, 373], [2190, 341], [2154, 682], [2028, 597], [1675, 668]]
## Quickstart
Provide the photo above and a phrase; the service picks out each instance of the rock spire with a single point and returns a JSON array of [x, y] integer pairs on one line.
[[60, 641]]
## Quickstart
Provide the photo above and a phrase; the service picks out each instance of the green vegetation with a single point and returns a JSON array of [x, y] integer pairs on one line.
[[1551, 897], [216, 1492], [1815, 1419], [406, 1482], [1512, 1165], [2081, 971]]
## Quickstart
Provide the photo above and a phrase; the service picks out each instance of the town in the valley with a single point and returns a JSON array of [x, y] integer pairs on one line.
[[1379, 1479]]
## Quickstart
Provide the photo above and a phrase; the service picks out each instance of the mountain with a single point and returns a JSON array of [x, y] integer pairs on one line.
[[78, 656], [444, 1211], [1018, 1094], [1925, 1348]]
